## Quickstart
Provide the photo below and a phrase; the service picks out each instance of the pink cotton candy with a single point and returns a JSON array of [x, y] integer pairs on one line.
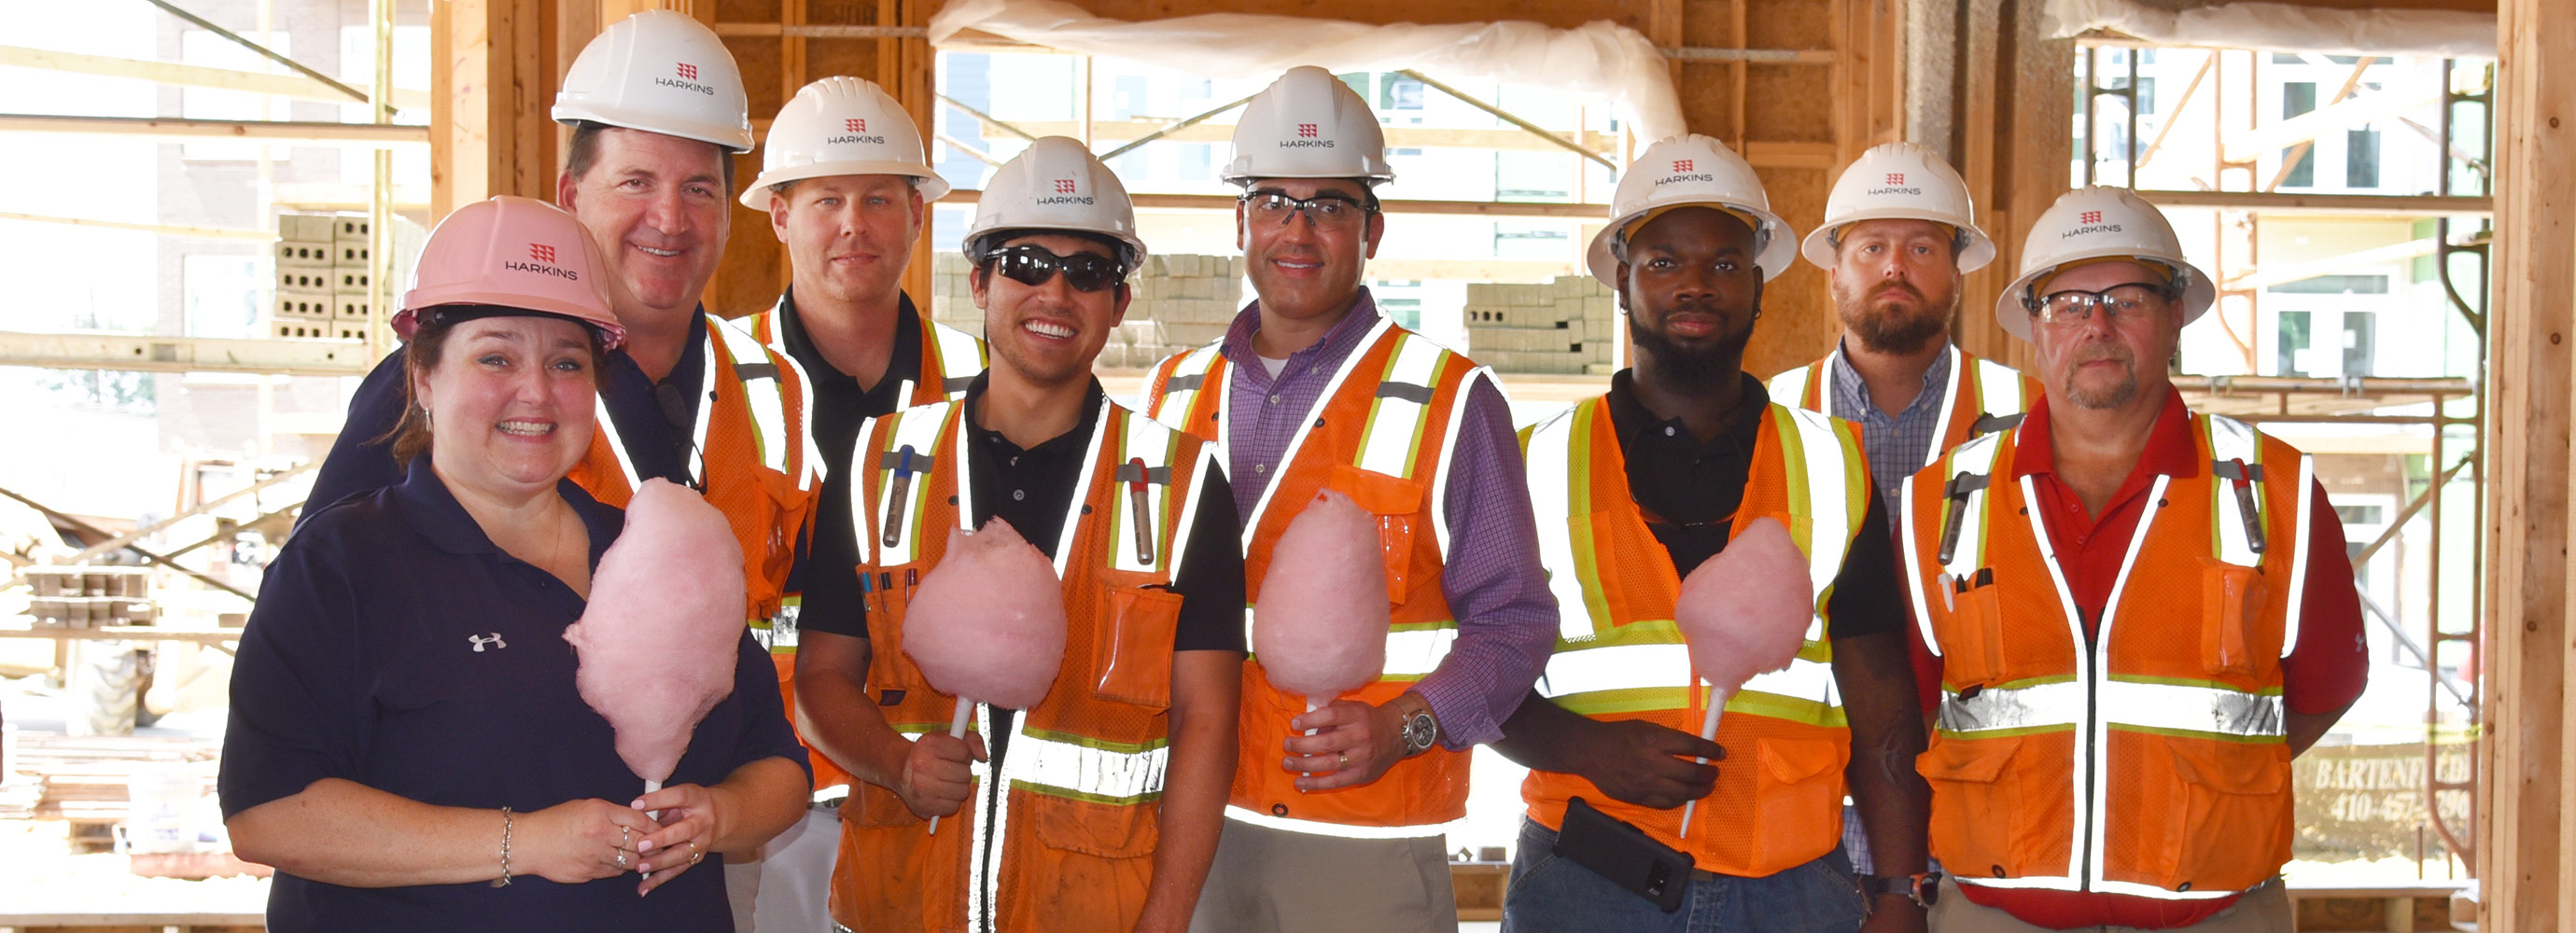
[[1319, 624], [658, 641], [1746, 610], [987, 624]]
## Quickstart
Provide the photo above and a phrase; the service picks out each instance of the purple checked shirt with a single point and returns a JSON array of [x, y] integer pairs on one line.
[[1491, 576]]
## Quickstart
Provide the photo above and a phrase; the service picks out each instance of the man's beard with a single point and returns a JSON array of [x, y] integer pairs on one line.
[[2116, 396], [1891, 333], [1701, 367]]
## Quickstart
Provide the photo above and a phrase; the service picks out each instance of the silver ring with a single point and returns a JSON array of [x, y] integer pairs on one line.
[[1343, 759], [694, 854], [621, 859]]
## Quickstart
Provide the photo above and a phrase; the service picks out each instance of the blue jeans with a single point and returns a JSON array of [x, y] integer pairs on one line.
[[1548, 894]]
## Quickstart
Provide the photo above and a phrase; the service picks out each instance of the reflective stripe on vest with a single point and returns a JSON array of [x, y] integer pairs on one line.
[[1993, 392], [1086, 769], [951, 348], [913, 452], [753, 364], [1185, 376], [1602, 667], [2090, 702], [697, 439]]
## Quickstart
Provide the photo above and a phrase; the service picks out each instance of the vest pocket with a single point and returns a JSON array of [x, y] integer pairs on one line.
[[1796, 791], [1134, 653], [2235, 821], [1093, 828], [1396, 502], [1969, 801], [2231, 595], [1972, 649]]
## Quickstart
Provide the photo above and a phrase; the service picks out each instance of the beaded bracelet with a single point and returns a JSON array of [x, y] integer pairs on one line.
[[504, 880]]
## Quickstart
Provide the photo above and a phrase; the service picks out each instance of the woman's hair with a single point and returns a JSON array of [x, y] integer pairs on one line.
[[428, 345]]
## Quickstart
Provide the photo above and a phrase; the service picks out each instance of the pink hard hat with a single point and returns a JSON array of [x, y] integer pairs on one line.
[[511, 254]]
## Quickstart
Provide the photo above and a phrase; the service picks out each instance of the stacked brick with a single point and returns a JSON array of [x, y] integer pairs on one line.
[[324, 262], [1565, 327], [1180, 302]]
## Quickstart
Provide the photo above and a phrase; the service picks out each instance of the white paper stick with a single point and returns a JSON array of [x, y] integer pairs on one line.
[[956, 730], [1707, 730]]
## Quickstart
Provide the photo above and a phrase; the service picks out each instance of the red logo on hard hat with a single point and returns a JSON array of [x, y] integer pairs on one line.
[[541, 253], [1306, 131], [688, 71], [1896, 178], [2089, 217], [1681, 165], [856, 125], [1064, 186]]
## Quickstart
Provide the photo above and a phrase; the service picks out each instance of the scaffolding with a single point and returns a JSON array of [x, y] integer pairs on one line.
[[2452, 410]]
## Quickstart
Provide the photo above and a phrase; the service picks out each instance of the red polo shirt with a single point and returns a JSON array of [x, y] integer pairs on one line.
[[2325, 672]]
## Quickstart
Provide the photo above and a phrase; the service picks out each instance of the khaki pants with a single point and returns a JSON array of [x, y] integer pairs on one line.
[[1266, 880], [2264, 909]]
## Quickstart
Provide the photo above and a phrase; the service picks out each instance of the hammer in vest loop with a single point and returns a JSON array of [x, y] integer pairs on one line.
[[2245, 477], [896, 493], [1134, 473], [1957, 490]]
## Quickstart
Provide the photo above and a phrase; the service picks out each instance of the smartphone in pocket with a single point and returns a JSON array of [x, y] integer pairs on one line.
[[1624, 854]]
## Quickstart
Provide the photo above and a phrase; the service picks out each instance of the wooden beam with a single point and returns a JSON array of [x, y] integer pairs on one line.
[[2416, 205], [151, 354], [1596, 213], [200, 76], [2527, 874], [489, 95], [301, 131]]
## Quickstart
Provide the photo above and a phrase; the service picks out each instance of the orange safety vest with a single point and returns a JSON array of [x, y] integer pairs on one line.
[[1778, 803], [1074, 812], [754, 457], [1384, 428], [946, 357], [2151, 758], [1982, 397]]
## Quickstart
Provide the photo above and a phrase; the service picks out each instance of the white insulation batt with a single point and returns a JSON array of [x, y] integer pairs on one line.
[[2280, 26], [1606, 61]]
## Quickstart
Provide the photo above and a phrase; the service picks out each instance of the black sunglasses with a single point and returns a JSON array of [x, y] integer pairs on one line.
[[1031, 264]]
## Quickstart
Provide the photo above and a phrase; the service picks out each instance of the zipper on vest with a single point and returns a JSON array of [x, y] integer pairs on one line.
[[2092, 736]]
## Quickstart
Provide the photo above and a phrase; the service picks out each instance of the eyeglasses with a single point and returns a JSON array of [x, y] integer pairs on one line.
[[1327, 210], [2120, 304], [1031, 264]]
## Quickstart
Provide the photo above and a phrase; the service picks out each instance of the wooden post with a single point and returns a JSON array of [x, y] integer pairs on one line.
[[489, 93], [2528, 876]]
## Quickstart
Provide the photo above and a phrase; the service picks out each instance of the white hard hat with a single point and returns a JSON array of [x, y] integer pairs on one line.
[[1684, 171], [660, 72], [2101, 222], [1308, 124], [1057, 185], [842, 126], [1901, 181]]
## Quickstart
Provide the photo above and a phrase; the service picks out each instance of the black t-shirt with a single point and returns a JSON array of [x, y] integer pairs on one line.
[[396, 646], [1690, 491], [1032, 489]]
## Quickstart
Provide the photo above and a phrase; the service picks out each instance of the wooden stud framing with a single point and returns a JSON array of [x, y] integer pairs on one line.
[[2527, 871]]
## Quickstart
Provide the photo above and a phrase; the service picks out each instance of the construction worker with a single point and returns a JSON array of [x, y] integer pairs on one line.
[[1337, 815], [1899, 238], [845, 184], [1099, 807], [1634, 490], [657, 110], [2134, 615]]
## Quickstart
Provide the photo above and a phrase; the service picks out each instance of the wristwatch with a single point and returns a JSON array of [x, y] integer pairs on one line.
[[1922, 888], [1421, 731]]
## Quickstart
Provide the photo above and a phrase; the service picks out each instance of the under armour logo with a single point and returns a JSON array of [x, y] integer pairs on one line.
[[541, 252], [1896, 178], [688, 71], [493, 640], [2089, 217], [1681, 165], [856, 125], [1307, 130]]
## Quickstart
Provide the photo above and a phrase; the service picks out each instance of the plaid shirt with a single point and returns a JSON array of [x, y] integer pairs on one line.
[[1491, 575], [1898, 446]]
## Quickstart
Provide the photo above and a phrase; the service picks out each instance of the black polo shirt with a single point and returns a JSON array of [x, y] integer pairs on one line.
[[1033, 488], [841, 405], [1690, 491], [656, 420], [394, 645]]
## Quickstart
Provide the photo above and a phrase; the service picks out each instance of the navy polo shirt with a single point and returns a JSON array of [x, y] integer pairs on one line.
[[396, 646], [657, 436]]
